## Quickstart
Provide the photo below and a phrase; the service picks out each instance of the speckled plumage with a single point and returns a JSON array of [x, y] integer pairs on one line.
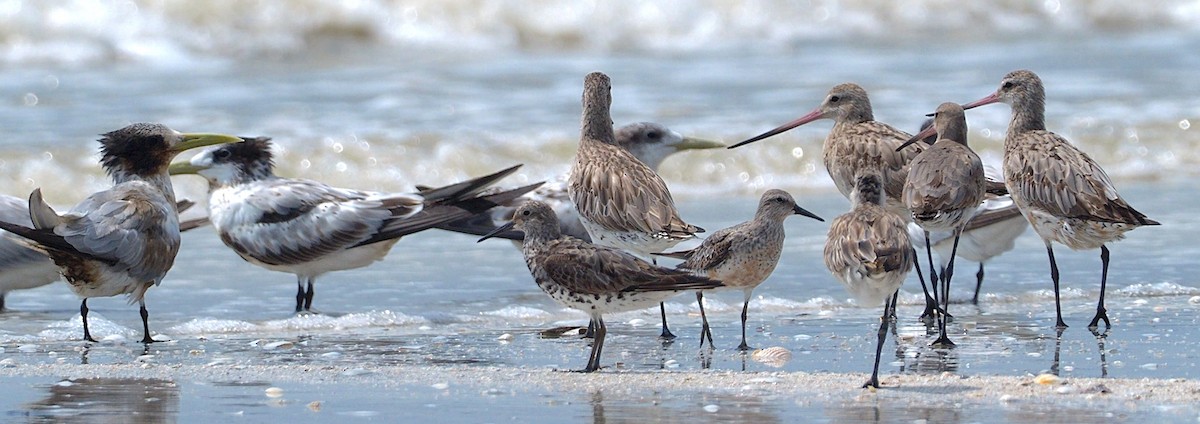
[[744, 255], [592, 278], [622, 202], [945, 185], [1064, 194], [858, 143], [869, 252]]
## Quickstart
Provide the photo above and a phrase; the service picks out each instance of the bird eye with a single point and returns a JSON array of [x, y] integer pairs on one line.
[[525, 213], [222, 154], [1007, 85], [834, 98], [653, 134]]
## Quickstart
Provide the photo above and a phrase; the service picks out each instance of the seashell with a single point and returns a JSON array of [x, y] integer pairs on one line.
[[274, 392], [1047, 379], [774, 356]]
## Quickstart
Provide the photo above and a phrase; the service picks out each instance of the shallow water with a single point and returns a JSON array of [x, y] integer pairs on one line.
[[383, 95]]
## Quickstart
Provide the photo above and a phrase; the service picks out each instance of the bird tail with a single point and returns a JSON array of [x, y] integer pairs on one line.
[[464, 190], [43, 216], [680, 281], [447, 211]]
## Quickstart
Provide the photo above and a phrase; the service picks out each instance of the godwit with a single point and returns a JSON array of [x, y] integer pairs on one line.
[[868, 251], [944, 187], [744, 255], [122, 240], [308, 228], [1064, 194], [591, 278], [859, 143], [622, 202]]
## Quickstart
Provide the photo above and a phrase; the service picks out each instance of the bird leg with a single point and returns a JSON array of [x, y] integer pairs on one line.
[[943, 340], [1, 302], [978, 285], [930, 304], [591, 330], [666, 333], [884, 321], [597, 346], [1054, 277], [1101, 313], [705, 331], [145, 323], [745, 306], [308, 297], [299, 294], [83, 312]]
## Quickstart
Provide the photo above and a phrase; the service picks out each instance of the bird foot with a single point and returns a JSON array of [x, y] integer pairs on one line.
[[744, 347], [1100, 315], [667, 334], [942, 342], [871, 384]]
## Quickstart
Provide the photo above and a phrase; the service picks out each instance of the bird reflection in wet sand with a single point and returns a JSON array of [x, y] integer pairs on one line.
[[107, 400], [592, 278], [122, 240], [308, 228]]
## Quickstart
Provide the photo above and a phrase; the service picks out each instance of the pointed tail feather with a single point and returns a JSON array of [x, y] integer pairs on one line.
[[43, 215], [466, 189], [437, 214], [46, 239], [679, 281], [480, 225], [194, 223]]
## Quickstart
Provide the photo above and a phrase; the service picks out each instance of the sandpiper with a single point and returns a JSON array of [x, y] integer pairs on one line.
[[621, 201], [869, 252], [1064, 194], [944, 187], [592, 278], [308, 228], [122, 240], [744, 255]]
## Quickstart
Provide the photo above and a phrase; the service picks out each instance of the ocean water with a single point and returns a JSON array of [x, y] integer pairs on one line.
[[383, 95]]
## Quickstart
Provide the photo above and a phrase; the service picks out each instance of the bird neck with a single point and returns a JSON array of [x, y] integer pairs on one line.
[[161, 181], [1028, 114]]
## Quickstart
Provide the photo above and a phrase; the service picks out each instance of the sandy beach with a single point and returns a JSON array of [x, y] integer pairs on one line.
[[314, 393]]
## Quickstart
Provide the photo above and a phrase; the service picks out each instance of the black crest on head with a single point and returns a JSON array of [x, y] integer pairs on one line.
[[138, 149], [252, 157]]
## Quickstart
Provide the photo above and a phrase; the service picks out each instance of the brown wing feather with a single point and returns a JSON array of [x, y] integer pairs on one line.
[[612, 188], [712, 253], [872, 144], [591, 269], [869, 236], [1050, 174], [948, 176]]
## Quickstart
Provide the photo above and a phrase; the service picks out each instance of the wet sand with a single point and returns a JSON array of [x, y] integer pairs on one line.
[[406, 392]]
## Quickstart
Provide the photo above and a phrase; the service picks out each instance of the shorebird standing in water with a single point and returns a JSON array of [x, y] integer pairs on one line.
[[859, 143], [622, 202], [24, 267], [868, 251], [992, 230], [122, 240], [744, 255], [592, 278], [1064, 194], [945, 185], [308, 228]]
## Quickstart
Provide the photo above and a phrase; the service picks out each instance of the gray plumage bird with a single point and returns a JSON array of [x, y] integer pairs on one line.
[[744, 255], [122, 240], [308, 228]]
